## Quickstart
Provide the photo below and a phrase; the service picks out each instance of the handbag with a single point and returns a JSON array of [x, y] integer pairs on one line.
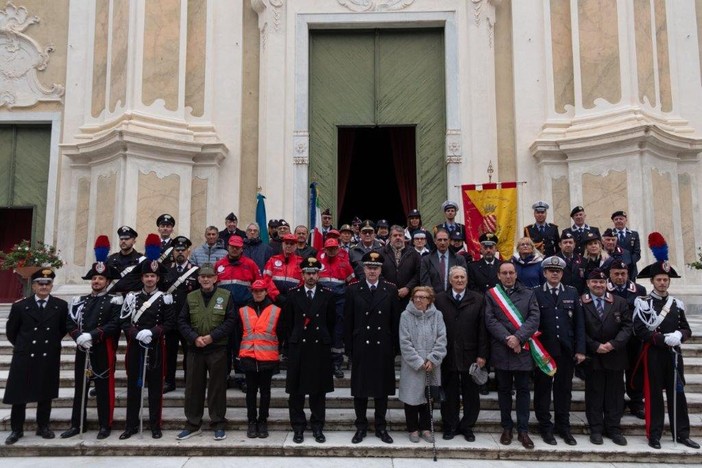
[[435, 392]]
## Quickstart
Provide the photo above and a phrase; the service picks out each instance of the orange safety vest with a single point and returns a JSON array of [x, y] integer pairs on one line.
[[259, 340]]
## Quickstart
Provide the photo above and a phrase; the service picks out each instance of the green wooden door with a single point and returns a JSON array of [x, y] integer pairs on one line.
[[24, 170], [384, 78]]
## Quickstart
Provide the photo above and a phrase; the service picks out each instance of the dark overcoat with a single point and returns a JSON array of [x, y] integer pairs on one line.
[[309, 327], [615, 327], [482, 275], [36, 337], [465, 330], [561, 321], [371, 338], [498, 325]]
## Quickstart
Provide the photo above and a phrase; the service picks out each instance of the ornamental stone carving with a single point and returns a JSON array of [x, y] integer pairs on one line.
[[375, 5], [20, 59]]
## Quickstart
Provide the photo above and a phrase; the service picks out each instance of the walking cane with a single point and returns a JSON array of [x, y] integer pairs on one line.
[[430, 400], [145, 363], [87, 373], [675, 399]]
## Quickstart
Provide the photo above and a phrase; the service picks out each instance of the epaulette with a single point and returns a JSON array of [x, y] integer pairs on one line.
[[20, 299], [167, 299], [586, 298], [390, 283], [118, 300], [324, 288]]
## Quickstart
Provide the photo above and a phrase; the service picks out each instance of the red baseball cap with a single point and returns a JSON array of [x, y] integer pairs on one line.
[[290, 238], [331, 243], [236, 241], [258, 284]]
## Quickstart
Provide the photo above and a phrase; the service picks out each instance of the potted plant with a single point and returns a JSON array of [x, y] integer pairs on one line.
[[698, 264], [25, 260]]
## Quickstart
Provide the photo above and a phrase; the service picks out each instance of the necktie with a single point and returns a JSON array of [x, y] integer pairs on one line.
[[442, 269], [458, 298], [372, 289], [180, 269], [309, 294], [541, 229], [554, 291], [600, 307], [41, 303], [621, 237]]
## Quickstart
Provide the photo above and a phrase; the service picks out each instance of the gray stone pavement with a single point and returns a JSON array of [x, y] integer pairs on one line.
[[293, 462]]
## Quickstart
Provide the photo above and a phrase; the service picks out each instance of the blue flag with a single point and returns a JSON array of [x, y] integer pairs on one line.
[[261, 218]]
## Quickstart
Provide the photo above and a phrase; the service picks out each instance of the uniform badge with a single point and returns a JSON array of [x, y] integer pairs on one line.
[[220, 269], [666, 266], [154, 266], [100, 267], [220, 300], [278, 263]]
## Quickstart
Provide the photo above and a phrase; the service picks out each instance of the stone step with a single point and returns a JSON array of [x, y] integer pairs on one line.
[[338, 399], [337, 419], [279, 444]]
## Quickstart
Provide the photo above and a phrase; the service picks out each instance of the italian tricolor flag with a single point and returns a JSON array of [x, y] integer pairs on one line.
[[543, 360]]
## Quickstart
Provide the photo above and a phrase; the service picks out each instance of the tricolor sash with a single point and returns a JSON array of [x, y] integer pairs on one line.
[[543, 360]]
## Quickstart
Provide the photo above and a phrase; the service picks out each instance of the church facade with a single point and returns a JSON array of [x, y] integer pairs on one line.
[[113, 112]]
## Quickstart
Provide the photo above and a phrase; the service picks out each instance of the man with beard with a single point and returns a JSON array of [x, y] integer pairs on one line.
[[467, 343], [181, 280], [309, 315], [371, 328], [482, 274], [93, 322], [127, 257], [401, 265], [619, 285], [35, 327]]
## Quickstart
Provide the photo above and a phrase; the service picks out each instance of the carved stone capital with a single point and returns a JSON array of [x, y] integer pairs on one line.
[[454, 149], [268, 10], [301, 147], [20, 59], [375, 5]]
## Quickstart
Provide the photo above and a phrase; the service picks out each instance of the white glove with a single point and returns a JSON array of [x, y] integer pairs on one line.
[[84, 340], [674, 338], [144, 336]]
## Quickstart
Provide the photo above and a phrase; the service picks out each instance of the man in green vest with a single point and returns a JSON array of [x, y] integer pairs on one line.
[[206, 321]]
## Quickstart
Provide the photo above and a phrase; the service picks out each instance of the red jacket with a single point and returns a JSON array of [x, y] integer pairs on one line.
[[236, 276]]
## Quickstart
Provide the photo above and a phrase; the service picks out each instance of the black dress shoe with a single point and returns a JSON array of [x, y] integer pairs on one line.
[[104, 433], [156, 433], [568, 438], [45, 433], [639, 413], [14, 437], [448, 435], [483, 389], [384, 436], [654, 443], [506, 437], [596, 439], [128, 432], [319, 436], [618, 439], [358, 436], [548, 438], [468, 435], [688, 442], [168, 387], [72, 432], [262, 429], [298, 437], [526, 441]]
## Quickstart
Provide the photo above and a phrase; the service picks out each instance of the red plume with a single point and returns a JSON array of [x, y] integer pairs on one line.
[[102, 248], [102, 242], [658, 245]]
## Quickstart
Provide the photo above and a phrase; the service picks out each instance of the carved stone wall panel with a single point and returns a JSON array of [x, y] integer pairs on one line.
[[599, 52], [82, 208], [562, 51], [118, 66], [198, 210], [644, 53], [102, 11], [105, 204], [662, 187], [602, 195], [377, 5], [155, 197], [161, 53], [21, 57], [196, 57], [560, 194], [663, 56], [687, 222]]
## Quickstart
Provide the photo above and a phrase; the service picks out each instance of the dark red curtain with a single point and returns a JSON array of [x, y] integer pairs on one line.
[[347, 140], [404, 158], [15, 225]]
